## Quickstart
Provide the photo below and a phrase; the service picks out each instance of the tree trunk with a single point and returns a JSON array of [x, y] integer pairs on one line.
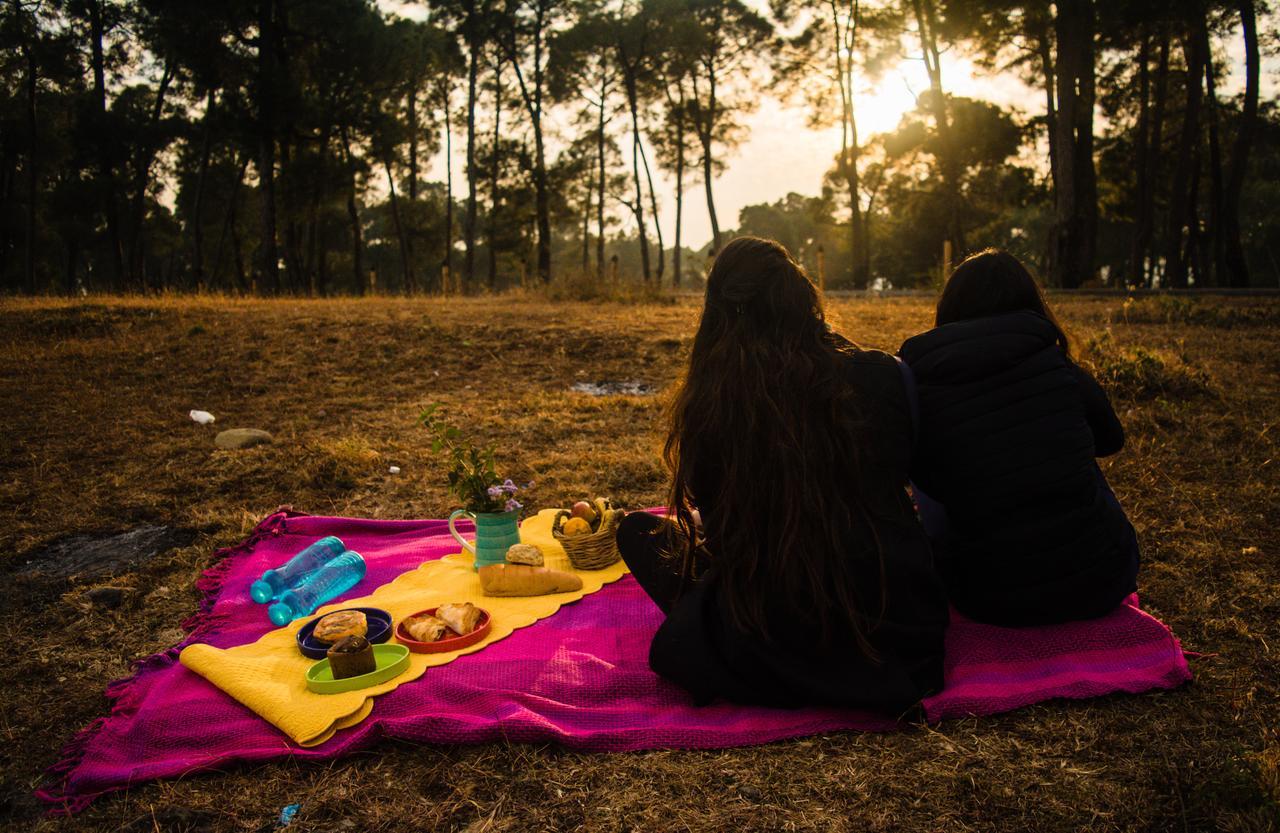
[[1137, 252], [1182, 214], [446, 262], [600, 148], [632, 102], [353, 214], [926, 23], [406, 268], [675, 252], [469, 222], [657, 226], [228, 223], [197, 210], [106, 175], [292, 244], [586, 228], [1234, 264], [494, 171], [1215, 268], [542, 186], [1075, 232], [268, 260], [142, 178], [413, 142], [707, 135], [1156, 154], [33, 181]]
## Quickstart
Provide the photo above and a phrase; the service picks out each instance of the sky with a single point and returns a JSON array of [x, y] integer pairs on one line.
[[782, 153]]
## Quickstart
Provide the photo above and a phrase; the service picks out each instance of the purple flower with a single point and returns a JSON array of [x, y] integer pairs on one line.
[[495, 491], [513, 504], [509, 487]]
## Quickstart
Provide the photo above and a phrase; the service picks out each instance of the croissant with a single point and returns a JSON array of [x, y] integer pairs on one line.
[[425, 628], [523, 580], [461, 618]]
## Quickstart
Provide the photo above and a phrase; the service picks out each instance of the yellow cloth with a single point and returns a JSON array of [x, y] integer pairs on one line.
[[269, 676]]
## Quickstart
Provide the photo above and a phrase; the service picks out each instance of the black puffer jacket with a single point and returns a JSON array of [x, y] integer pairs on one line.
[[1009, 429]]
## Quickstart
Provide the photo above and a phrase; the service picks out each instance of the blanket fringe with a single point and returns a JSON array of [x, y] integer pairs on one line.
[[120, 693]]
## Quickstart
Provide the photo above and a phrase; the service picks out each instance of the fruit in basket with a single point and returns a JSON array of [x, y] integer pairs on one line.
[[574, 527], [584, 510]]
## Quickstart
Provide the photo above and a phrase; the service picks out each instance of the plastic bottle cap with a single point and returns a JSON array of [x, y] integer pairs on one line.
[[261, 592], [280, 613]]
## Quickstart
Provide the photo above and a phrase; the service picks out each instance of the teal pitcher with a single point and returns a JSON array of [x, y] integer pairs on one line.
[[495, 532]]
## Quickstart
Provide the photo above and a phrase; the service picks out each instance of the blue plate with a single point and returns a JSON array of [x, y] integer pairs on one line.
[[379, 622]]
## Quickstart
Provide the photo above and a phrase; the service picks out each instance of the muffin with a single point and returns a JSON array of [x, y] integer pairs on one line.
[[351, 656]]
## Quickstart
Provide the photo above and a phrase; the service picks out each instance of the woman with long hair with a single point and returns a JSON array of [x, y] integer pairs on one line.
[[792, 568], [1025, 528]]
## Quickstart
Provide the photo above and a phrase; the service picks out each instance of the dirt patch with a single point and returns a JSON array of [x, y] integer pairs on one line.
[[85, 557]]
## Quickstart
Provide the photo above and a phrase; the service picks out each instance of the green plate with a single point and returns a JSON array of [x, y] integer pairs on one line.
[[392, 660]]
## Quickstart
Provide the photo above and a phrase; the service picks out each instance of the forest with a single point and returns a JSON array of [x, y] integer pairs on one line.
[[340, 147]]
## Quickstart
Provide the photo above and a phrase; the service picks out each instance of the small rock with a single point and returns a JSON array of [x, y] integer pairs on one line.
[[106, 597], [749, 792], [202, 417], [394, 469], [234, 438]]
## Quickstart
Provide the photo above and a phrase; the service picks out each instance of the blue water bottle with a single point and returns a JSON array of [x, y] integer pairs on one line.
[[274, 582], [333, 579]]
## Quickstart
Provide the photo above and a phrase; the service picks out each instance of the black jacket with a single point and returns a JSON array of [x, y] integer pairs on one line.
[[699, 648], [1009, 429]]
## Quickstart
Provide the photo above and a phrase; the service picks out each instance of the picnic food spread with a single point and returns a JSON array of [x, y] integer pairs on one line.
[[283, 690]]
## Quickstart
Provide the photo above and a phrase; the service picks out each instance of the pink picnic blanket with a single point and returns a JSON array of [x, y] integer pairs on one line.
[[579, 678]]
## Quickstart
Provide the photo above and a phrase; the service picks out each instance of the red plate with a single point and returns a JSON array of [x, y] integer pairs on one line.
[[450, 643]]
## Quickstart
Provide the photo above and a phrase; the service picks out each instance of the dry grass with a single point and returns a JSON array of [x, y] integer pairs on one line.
[[95, 438]]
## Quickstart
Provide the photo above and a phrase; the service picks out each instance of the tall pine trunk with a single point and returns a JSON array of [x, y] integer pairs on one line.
[[106, 174], [1076, 221], [268, 259], [1181, 236], [1234, 264], [406, 267], [469, 221], [142, 178], [600, 183], [33, 181], [353, 215], [197, 210], [675, 251], [657, 226], [1216, 256], [633, 103], [494, 170]]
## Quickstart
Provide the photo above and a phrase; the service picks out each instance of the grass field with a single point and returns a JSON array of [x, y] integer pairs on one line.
[[94, 438]]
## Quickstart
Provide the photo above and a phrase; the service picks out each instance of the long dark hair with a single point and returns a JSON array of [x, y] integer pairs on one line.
[[764, 409], [994, 282]]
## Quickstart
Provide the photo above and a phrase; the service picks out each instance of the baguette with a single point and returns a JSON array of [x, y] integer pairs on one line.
[[523, 580]]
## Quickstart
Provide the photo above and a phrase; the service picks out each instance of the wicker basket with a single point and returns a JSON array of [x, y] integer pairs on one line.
[[597, 550]]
